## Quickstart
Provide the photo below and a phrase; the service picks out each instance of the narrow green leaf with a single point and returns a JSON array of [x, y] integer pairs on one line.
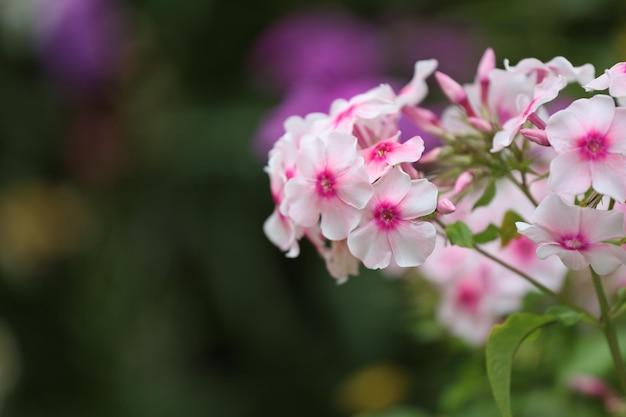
[[508, 231], [492, 232], [502, 344], [564, 314], [487, 196], [460, 234]]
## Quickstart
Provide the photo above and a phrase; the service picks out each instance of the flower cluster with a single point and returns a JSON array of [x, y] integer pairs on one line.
[[345, 181], [513, 182]]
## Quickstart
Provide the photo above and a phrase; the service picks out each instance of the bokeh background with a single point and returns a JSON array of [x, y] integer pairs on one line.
[[135, 279]]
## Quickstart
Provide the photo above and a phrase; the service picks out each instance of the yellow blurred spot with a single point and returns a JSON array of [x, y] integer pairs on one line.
[[374, 387], [38, 223]]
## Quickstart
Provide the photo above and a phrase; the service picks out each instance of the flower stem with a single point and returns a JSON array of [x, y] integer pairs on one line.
[[609, 330]]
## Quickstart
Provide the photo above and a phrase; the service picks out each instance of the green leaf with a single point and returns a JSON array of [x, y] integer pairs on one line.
[[487, 196], [502, 344], [508, 231], [565, 315], [460, 234], [492, 232]]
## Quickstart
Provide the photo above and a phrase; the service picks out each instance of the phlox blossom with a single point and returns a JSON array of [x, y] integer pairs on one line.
[[577, 235], [331, 183], [380, 157], [389, 230], [590, 139]]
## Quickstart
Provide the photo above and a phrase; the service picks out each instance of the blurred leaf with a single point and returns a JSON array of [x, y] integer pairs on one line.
[[502, 344], [565, 315], [460, 234], [492, 232], [508, 231], [487, 196]]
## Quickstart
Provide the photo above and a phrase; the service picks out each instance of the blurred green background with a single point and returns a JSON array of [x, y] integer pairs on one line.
[[135, 278]]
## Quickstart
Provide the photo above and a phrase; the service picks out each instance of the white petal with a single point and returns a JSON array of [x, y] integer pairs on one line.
[[301, 202], [568, 174], [370, 245], [421, 199], [572, 259], [605, 258], [338, 219], [353, 187], [412, 242], [555, 215], [609, 176], [535, 233]]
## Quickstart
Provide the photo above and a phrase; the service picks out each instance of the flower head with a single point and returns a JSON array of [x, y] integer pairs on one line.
[[577, 235], [590, 138], [390, 229]]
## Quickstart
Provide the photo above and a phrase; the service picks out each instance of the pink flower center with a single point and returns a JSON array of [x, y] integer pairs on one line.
[[325, 185], [468, 297], [593, 146], [523, 248], [386, 215], [380, 150], [573, 242]]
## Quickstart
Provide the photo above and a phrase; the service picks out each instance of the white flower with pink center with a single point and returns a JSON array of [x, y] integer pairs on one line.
[[278, 228], [331, 183], [381, 157], [613, 78], [390, 230], [590, 139], [577, 235]]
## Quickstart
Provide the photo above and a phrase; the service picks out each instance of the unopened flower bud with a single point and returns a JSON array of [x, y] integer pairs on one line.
[[453, 90], [463, 181], [445, 206], [536, 135], [480, 124]]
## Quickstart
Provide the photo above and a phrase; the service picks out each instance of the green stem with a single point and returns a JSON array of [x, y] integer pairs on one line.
[[522, 188], [538, 285], [609, 330]]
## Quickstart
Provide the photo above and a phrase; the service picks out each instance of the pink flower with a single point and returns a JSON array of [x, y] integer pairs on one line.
[[331, 183], [475, 292], [590, 138], [389, 229], [577, 235], [613, 78], [385, 154]]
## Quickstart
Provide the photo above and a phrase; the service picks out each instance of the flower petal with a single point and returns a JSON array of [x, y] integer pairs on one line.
[[338, 219], [608, 176], [370, 245], [420, 200], [568, 174], [605, 258], [572, 259], [412, 242]]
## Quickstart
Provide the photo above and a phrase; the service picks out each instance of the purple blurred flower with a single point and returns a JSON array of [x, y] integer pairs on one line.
[[454, 44], [321, 46], [80, 41]]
